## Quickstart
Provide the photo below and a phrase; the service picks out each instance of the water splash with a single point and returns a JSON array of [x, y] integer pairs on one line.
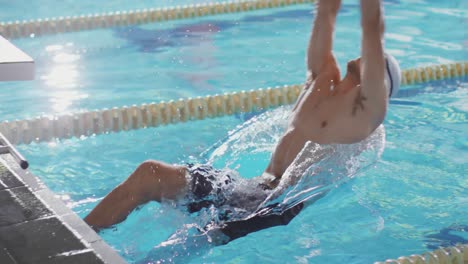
[[248, 148], [319, 168], [316, 170]]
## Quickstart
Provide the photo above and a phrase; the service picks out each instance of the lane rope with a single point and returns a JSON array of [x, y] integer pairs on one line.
[[126, 118], [451, 255], [57, 25], [155, 114]]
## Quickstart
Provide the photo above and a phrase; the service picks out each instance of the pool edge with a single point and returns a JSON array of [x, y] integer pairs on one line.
[[63, 235]]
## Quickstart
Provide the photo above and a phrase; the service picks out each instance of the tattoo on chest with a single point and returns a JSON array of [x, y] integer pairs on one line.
[[359, 103]]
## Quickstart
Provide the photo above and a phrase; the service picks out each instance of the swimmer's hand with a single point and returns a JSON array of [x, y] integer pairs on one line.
[[271, 185], [269, 181]]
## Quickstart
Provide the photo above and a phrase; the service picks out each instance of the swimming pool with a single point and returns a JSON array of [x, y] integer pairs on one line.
[[413, 201]]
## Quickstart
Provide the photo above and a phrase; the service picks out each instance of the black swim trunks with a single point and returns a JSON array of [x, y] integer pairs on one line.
[[212, 187], [207, 186]]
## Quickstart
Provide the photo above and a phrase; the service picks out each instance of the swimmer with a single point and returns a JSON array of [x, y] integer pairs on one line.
[[329, 110]]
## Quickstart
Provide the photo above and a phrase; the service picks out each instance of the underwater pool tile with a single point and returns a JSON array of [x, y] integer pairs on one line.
[[18, 205], [34, 241]]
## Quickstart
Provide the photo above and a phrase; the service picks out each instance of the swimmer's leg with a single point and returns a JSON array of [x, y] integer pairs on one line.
[[264, 218], [236, 229], [151, 181]]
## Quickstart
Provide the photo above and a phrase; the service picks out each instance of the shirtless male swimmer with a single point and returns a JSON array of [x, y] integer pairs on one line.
[[329, 110]]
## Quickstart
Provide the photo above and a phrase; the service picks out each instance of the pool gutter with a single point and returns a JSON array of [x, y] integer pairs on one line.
[[37, 227]]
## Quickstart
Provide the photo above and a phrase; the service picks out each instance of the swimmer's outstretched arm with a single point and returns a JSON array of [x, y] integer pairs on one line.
[[310, 154], [319, 59], [373, 62], [319, 52], [320, 56]]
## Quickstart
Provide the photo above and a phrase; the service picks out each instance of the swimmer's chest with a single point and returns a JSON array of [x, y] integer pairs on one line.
[[327, 114]]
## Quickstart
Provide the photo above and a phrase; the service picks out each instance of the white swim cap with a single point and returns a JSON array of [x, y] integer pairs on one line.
[[392, 75]]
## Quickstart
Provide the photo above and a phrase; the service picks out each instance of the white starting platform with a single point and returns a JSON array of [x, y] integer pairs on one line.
[[15, 65]]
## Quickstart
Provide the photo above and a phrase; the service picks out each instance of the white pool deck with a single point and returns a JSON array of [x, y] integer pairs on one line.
[[15, 65]]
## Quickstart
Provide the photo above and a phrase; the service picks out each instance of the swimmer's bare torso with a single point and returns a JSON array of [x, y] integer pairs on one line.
[[329, 110]]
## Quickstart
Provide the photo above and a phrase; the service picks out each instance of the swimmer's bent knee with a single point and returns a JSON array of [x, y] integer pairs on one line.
[[158, 180]]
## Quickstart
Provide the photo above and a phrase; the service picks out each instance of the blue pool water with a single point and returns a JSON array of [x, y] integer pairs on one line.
[[153, 62], [25, 10], [413, 200]]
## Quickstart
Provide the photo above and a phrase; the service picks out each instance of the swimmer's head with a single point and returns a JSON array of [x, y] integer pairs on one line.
[[392, 75]]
